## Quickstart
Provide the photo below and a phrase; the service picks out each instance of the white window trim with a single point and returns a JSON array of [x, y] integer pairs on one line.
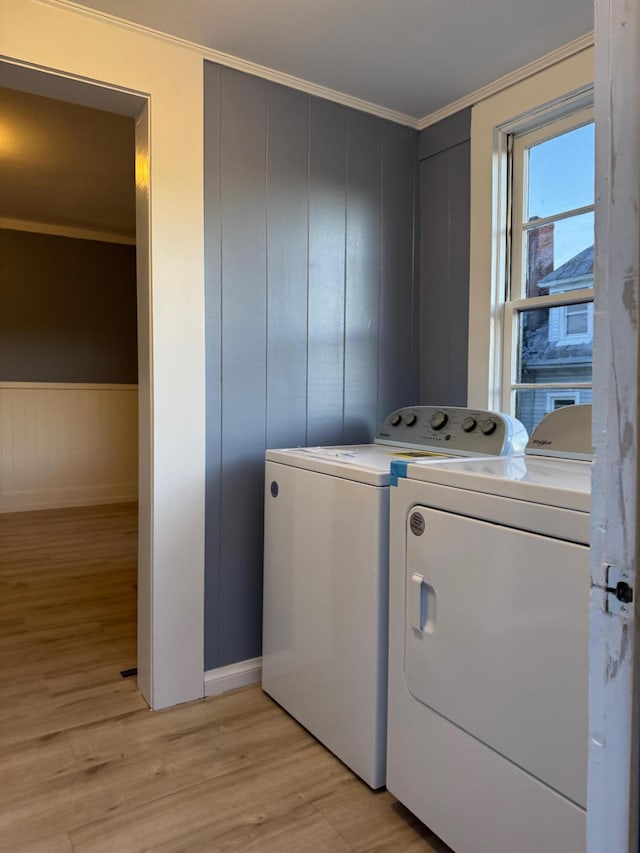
[[569, 293], [547, 92]]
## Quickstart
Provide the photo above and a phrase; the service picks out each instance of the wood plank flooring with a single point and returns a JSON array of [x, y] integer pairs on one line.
[[85, 766]]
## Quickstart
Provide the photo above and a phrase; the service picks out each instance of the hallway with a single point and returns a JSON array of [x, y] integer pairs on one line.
[[67, 619]]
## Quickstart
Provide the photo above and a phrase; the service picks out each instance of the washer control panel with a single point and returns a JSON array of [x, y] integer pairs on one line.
[[453, 430]]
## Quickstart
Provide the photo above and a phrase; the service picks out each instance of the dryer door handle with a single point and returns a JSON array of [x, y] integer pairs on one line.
[[422, 605]]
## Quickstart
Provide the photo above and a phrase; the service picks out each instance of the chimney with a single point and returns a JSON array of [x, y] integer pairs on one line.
[[539, 258]]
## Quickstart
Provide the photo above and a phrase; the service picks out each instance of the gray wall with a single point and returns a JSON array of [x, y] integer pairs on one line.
[[67, 309], [310, 308], [444, 151]]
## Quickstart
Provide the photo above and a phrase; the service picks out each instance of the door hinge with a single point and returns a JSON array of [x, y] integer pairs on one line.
[[618, 589]]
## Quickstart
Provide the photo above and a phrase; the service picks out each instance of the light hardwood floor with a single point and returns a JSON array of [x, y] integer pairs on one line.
[[85, 766]]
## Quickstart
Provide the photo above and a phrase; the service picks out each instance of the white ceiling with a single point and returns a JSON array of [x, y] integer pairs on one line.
[[411, 56], [70, 165]]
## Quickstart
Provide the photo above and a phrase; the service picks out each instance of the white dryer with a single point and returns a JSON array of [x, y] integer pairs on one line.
[[325, 611], [488, 639]]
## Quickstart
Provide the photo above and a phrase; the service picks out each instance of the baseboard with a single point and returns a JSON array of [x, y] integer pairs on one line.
[[224, 678], [73, 496]]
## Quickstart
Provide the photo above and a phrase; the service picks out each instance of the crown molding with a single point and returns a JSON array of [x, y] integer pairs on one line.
[[55, 230], [228, 60], [570, 49], [239, 64]]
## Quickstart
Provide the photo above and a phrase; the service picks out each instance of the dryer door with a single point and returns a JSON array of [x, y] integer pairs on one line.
[[496, 640]]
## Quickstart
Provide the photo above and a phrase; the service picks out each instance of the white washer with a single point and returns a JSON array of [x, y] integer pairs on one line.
[[488, 639], [325, 609]]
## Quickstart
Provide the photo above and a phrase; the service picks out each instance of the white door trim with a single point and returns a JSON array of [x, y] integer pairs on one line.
[[612, 806], [167, 82]]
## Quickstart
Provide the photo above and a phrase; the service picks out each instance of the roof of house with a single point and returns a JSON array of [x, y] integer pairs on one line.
[[578, 266], [538, 351]]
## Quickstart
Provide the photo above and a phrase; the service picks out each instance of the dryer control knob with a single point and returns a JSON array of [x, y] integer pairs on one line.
[[410, 419], [469, 424], [395, 419], [438, 420], [488, 426]]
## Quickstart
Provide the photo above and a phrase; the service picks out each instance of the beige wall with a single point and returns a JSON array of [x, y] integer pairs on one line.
[[67, 445]]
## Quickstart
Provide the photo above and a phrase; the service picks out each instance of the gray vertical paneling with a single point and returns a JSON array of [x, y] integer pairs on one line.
[[459, 237], [397, 352], [444, 276], [446, 133], [434, 271], [364, 161], [243, 363], [309, 308], [325, 345], [213, 355], [287, 264]]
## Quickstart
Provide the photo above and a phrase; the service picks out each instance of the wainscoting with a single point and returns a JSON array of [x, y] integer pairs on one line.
[[67, 444]]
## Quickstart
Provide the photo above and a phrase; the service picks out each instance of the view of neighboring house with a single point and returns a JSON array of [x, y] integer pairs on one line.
[[557, 342]]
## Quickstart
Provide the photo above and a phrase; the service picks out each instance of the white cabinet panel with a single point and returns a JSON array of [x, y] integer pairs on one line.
[[324, 655]]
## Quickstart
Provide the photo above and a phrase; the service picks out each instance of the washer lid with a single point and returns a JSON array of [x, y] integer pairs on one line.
[[557, 482], [364, 463], [564, 433]]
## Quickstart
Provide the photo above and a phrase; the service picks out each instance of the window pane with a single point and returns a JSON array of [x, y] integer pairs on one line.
[[561, 402], [532, 404], [559, 256], [546, 353], [561, 173]]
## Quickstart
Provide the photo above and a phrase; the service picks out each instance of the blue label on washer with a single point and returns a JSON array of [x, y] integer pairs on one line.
[[398, 469]]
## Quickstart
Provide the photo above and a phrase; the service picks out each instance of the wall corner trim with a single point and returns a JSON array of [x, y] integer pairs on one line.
[[564, 52], [224, 678]]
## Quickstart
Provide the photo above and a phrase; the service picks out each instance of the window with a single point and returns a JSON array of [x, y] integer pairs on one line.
[[559, 401], [537, 114], [549, 233], [575, 320], [571, 324]]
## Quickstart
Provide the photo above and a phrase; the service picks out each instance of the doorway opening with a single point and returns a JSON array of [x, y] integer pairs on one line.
[[72, 402]]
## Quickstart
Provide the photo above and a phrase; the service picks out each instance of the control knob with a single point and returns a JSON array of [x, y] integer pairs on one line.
[[438, 420], [469, 424], [488, 426], [395, 419], [410, 419]]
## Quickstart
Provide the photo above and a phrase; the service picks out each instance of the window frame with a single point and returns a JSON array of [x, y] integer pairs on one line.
[[557, 89], [516, 143]]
